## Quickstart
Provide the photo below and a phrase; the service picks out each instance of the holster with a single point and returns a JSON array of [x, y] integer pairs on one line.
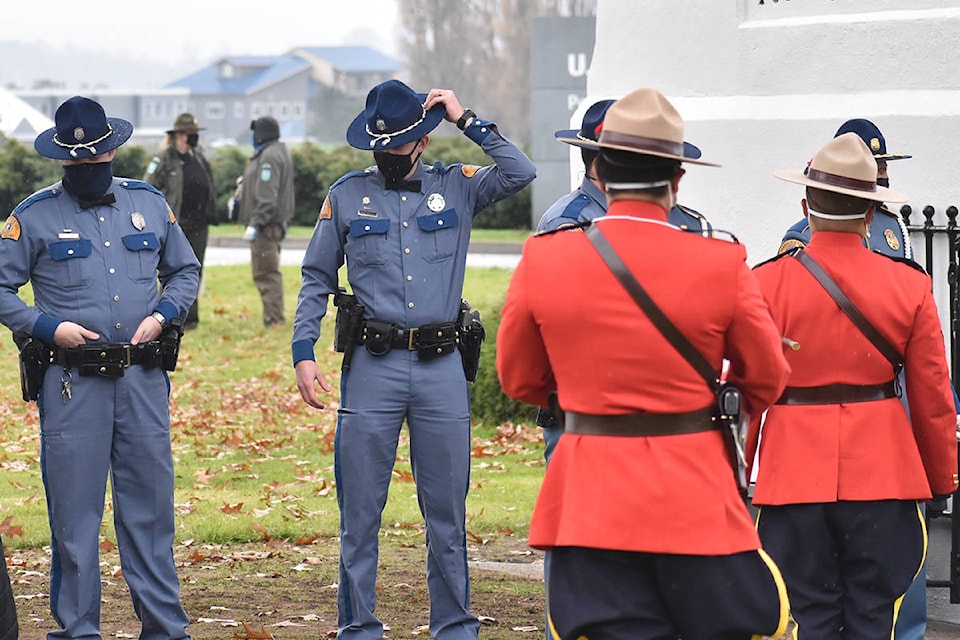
[[733, 425], [170, 345], [472, 334], [35, 357], [346, 331]]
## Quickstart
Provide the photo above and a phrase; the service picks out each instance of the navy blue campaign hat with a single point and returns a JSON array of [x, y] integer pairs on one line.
[[592, 125], [871, 135], [393, 116], [82, 131]]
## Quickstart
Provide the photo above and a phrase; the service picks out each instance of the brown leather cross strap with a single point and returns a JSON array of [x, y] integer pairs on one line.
[[856, 316], [641, 423], [839, 393]]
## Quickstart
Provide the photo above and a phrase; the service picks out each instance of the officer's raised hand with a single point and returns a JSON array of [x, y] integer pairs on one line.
[[71, 334], [307, 373], [449, 100]]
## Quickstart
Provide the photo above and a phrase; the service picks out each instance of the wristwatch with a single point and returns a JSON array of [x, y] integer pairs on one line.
[[462, 122], [156, 315]]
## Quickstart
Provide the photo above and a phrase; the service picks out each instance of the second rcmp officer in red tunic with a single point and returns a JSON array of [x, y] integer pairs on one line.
[[630, 558], [841, 470]]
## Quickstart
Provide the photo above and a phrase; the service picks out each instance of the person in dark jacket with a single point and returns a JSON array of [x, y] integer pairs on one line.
[[266, 206], [183, 174]]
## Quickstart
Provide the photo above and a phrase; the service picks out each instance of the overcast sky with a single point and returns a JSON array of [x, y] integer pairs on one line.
[[197, 31]]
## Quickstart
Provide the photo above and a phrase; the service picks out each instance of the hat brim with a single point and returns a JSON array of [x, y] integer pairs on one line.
[[572, 136], [45, 145], [887, 157], [358, 138], [690, 153], [882, 194], [191, 130]]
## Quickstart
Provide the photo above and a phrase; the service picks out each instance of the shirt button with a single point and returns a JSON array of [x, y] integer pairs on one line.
[[409, 278], [406, 224], [403, 198], [410, 305], [366, 228], [116, 298], [107, 243], [439, 223], [102, 219], [69, 252], [117, 325], [407, 250], [145, 243], [112, 270]]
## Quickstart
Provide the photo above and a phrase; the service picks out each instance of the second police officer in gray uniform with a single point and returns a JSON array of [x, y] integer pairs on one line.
[[93, 246], [403, 229]]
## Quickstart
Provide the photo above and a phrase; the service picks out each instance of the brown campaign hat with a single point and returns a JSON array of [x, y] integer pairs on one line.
[[186, 123], [843, 165], [645, 122]]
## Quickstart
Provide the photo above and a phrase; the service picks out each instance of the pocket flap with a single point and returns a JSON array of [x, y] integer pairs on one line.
[[442, 220], [366, 227], [67, 249], [141, 242]]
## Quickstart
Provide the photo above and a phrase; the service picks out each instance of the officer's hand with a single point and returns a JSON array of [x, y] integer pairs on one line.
[[250, 233], [148, 330], [70, 334], [448, 99], [307, 373]]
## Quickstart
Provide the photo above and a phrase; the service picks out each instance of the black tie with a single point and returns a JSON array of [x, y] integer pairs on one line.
[[107, 198], [404, 185]]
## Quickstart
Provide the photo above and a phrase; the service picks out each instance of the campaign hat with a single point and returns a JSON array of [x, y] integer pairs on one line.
[[393, 116], [82, 130], [186, 123], [843, 165], [644, 122], [870, 134]]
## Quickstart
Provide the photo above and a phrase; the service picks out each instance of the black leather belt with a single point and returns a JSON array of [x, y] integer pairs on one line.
[[840, 393], [108, 359], [413, 339], [640, 424]]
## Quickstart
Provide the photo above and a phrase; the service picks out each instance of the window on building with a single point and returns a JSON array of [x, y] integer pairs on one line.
[[215, 110], [238, 110]]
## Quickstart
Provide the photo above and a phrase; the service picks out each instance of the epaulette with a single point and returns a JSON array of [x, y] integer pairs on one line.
[[439, 168], [571, 226], [789, 252], [127, 183], [37, 196], [906, 261], [575, 206], [347, 176], [790, 244], [883, 209]]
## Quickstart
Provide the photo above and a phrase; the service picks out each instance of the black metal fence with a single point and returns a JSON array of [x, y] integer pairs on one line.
[[937, 240]]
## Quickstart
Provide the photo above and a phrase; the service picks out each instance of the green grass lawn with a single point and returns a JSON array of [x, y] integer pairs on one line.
[[477, 235], [253, 461]]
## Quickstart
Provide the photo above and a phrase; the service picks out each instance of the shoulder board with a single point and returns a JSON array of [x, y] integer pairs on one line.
[[715, 234], [791, 244], [692, 212], [575, 206], [789, 252], [906, 261], [437, 167], [570, 226], [139, 185], [347, 176], [43, 194], [883, 209]]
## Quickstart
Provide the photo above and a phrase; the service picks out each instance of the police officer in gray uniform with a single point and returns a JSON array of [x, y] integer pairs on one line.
[[403, 229], [93, 247]]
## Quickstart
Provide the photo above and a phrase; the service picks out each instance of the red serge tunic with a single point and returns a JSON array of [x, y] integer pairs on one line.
[[569, 325], [863, 450]]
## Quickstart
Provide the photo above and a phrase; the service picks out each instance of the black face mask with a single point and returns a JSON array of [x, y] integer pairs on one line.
[[394, 167], [193, 139], [87, 180], [883, 182]]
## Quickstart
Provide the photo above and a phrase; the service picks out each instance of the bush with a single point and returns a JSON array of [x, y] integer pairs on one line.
[[488, 402]]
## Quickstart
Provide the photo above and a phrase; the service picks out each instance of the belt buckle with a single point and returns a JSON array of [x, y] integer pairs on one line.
[[410, 334], [126, 353]]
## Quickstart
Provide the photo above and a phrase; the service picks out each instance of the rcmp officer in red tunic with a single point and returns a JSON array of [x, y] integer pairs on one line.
[[842, 467], [630, 559]]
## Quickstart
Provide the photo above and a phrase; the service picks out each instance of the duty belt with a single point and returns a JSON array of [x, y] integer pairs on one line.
[[108, 359], [641, 424], [413, 339], [840, 393]]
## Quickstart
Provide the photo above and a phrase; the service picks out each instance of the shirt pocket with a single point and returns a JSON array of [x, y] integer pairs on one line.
[[367, 242], [72, 269], [142, 256], [440, 239]]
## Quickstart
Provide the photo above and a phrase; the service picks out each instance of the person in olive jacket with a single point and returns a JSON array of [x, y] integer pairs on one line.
[[183, 174]]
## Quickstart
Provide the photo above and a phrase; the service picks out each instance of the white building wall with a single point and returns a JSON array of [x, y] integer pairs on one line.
[[762, 86]]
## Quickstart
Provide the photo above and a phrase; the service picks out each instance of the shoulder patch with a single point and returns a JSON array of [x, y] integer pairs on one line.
[[468, 170], [154, 163], [37, 197], [135, 185], [790, 245], [326, 211], [11, 229], [173, 218], [907, 261]]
